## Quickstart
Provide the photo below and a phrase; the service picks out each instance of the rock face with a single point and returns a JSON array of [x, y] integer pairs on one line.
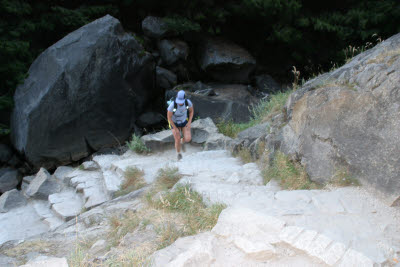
[[225, 61], [349, 118], [82, 94]]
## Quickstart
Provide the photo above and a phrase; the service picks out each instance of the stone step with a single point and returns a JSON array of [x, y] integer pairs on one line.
[[67, 205], [91, 184]]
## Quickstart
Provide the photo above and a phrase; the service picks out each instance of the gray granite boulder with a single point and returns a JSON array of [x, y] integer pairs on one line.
[[225, 61], [154, 27], [11, 199], [9, 179], [83, 93], [43, 185], [172, 51], [349, 118]]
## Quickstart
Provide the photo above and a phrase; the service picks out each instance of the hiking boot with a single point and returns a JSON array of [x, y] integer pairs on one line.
[[179, 156], [183, 145]]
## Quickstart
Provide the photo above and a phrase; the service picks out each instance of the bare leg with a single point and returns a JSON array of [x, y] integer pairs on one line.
[[187, 136], [177, 137]]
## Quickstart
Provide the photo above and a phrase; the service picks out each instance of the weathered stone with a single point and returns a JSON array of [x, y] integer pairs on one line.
[[67, 205], [98, 70], [9, 179], [154, 27], [47, 261], [11, 199], [225, 61], [43, 185], [172, 51], [90, 166], [165, 79], [252, 133], [348, 120], [5, 153], [354, 258], [62, 171]]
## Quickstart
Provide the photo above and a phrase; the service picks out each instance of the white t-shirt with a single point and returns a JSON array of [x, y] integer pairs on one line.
[[180, 114]]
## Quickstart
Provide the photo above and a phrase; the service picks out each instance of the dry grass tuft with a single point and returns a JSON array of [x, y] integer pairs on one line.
[[167, 177], [133, 181], [291, 175], [244, 154], [342, 178]]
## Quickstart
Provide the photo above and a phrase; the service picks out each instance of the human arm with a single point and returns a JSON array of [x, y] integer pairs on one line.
[[171, 122], [191, 112]]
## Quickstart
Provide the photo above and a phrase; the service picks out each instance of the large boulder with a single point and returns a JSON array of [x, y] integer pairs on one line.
[[154, 27], [225, 61], [82, 94], [349, 119], [172, 51], [226, 102]]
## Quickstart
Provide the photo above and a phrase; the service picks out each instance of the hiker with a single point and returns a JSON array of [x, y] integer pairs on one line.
[[180, 115]]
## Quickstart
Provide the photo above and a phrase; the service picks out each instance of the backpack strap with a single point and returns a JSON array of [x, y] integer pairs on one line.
[[175, 107]]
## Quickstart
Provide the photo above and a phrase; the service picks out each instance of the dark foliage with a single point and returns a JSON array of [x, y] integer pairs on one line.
[[310, 35]]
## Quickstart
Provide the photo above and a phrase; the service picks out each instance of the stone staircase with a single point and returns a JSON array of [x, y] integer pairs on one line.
[[261, 226]]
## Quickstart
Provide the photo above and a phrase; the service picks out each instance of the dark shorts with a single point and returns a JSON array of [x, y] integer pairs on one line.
[[180, 125]]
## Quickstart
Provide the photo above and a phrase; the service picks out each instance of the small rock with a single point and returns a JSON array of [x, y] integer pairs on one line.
[[11, 199], [154, 27], [90, 166]]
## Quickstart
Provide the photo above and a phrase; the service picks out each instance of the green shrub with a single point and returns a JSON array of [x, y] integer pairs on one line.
[[181, 25], [137, 145]]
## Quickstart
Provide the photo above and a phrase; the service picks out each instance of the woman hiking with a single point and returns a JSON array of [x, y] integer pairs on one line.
[[180, 115]]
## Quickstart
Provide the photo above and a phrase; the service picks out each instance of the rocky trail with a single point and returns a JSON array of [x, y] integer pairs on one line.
[[261, 226]]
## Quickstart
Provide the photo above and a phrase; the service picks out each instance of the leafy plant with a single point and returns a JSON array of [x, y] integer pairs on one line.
[[137, 145]]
